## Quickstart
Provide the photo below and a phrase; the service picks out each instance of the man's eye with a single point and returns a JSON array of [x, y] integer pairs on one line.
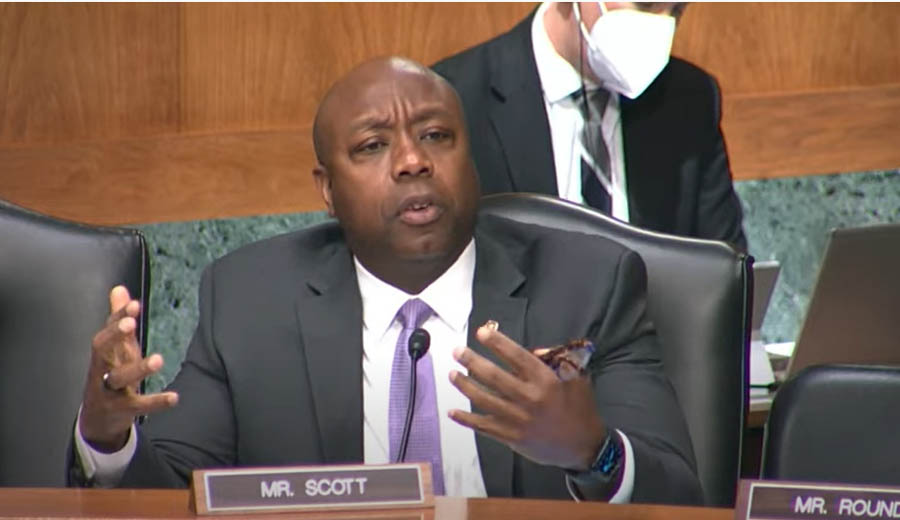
[[371, 146], [436, 135]]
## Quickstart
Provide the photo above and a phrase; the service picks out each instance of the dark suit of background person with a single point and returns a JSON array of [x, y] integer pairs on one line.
[[677, 170], [274, 375], [264, 384]]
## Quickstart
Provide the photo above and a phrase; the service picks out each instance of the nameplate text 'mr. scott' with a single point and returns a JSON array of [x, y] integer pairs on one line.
[[274, 489]]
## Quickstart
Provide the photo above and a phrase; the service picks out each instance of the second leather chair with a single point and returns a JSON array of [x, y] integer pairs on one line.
[[835, 423], [699, 298]]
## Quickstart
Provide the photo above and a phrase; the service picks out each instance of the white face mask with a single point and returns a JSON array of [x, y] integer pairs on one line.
[[628, 48]]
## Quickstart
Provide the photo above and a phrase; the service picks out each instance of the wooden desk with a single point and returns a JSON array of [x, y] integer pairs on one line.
[[171, 504]]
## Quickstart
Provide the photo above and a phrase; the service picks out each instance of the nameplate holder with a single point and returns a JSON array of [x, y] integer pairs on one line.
[[788, 500], [311, 488]]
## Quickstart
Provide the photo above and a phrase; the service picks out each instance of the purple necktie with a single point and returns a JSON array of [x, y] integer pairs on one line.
[[424, 434]]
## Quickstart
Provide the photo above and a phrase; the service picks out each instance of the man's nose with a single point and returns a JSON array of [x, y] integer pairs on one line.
[[411, 159]]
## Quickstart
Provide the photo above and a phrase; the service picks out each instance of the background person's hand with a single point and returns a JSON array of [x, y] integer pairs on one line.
[[527, 407], [111, 395]]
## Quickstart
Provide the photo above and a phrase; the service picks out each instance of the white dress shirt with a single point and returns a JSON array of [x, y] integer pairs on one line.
[[450, 297], [559, 80]]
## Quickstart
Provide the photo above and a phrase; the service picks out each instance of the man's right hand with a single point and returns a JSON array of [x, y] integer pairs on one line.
[[110, 405]]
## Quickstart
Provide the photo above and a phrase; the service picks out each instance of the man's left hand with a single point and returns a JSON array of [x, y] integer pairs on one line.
[[528, 408]]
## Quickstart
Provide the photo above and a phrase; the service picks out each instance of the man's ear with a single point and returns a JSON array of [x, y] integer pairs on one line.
[[323, 184]]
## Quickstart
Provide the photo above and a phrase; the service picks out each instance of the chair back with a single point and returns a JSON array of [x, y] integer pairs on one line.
[[835, 423], [699, 295], [55, 278]]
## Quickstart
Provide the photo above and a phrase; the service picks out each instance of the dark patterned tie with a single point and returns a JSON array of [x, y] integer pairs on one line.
[[594, 156], [424, 433]]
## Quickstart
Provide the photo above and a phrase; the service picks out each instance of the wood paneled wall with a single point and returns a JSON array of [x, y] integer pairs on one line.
[[808, 88], [145, 112]]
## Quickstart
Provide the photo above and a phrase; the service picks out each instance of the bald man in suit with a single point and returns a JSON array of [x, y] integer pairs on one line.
[[290, 360]]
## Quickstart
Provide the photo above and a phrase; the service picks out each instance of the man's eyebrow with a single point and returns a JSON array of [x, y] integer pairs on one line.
[[378, 122], [430, 113], [370, 122]]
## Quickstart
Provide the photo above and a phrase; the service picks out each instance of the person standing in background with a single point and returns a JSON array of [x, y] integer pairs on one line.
[[583, 101]]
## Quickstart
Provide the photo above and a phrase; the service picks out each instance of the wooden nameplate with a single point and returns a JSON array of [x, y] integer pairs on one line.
[[788, 500], [311, 488]]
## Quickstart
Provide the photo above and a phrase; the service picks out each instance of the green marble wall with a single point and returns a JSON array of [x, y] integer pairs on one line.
[[785, 219], [788, 220], [178, 253]]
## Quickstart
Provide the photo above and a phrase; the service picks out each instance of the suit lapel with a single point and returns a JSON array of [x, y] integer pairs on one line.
[[496, 279], [651, 165], [517, 113], [329, 316]]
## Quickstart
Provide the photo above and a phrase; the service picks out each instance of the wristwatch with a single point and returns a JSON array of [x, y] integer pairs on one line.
[[606, 466], [610, 456]]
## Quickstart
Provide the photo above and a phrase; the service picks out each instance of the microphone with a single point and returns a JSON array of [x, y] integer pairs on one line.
[[417, 346], [419, 341]]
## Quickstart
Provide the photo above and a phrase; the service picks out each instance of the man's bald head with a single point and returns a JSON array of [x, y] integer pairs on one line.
[[363, 76]]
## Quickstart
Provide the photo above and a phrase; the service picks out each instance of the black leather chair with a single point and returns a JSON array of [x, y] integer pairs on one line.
[[699, 295], [55, 278], [835, 423]]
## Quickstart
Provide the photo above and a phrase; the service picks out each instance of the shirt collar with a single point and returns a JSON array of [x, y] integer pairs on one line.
[[559, 79], [450, 296]]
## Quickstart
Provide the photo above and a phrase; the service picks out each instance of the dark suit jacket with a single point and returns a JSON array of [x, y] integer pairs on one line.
[[273, 374], [677, 171]]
